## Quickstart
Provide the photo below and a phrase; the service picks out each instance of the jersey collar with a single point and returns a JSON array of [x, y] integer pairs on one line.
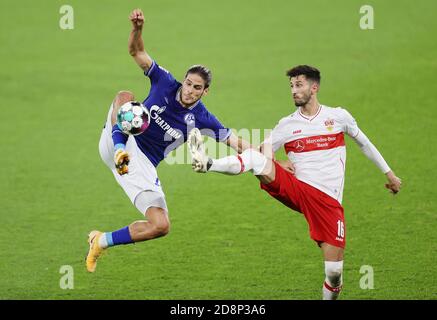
[[314, 116]]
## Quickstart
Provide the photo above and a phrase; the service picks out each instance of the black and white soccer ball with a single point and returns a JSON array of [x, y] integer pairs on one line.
[[133, 118]]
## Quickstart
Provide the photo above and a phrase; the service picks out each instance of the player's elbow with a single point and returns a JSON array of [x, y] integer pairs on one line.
[[133, 51]]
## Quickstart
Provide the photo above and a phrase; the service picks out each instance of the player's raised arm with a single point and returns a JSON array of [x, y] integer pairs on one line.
[[237, 143], [367, 147], [136, 44]]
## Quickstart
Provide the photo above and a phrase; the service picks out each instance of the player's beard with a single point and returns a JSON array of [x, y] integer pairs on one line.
[[186, 103], [303, 101], [190, 103]]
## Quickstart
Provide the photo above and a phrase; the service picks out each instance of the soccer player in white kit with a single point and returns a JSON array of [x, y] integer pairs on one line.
[[313, 138]]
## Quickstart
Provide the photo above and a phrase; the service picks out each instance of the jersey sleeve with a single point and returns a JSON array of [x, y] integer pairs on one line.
[[350, 126], [371, 152], [159, 76], [212, 127], [275, 139]]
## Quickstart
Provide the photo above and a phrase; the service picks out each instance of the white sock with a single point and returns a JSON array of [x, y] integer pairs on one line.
[[227, 165], [103, 242], [250, 159], [333, 281]]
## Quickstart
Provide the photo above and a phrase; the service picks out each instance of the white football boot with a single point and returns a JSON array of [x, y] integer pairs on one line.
[[201, 162]]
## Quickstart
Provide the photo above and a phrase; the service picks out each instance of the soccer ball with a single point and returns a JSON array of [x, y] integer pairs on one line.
[[133, 118]]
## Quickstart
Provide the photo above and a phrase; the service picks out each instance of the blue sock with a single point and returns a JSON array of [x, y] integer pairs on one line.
[[121, 236]]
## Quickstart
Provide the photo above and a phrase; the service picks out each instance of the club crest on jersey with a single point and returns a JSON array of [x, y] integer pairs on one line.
[[329, 124], [189, 119]]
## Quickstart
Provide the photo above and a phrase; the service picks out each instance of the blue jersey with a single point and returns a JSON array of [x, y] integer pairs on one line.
[[170, 122]]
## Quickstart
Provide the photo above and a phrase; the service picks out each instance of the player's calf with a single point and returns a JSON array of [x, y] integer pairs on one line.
[[157, 225], [147, 230], [161, 228], [136, 232], [158, 218], [249, 160]]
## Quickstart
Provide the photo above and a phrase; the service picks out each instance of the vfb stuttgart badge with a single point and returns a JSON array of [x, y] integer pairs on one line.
[[329, 124]]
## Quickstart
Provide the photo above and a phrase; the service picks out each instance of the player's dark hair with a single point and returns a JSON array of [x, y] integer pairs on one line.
[[309, 72], [203, 72]]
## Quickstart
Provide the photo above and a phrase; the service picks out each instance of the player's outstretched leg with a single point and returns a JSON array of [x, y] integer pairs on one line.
[[248, 160]]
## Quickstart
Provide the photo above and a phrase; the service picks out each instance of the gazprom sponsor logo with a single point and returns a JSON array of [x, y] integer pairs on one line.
[[155, 111], [161, 109]]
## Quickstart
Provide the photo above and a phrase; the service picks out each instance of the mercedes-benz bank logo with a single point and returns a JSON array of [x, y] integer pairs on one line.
[[299, 145]]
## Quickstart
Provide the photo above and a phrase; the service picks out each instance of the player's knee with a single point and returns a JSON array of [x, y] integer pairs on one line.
[[334, 278], [122, 97], [161, 227], [334, 271]]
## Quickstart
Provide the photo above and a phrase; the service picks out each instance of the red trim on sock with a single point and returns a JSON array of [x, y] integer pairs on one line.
[[241, 163], [337, 289]]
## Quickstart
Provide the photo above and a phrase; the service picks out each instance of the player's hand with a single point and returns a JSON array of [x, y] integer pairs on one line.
[[121, 159], [287, 165], [394, 183], [137, 19]]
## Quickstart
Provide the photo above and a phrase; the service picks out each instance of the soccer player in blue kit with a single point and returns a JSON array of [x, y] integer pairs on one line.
[[175, 108]]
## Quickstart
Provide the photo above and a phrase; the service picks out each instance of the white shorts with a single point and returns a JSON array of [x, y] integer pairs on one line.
[[141, 183]]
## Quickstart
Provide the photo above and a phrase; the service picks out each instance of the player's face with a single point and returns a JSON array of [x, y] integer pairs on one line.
[[302, 90], [193, 88]]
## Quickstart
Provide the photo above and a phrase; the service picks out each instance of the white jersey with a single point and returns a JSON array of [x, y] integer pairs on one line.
[[316, 147]]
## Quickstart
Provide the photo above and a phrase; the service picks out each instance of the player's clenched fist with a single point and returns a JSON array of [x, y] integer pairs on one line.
[[137, 18], [121, 159], [394, 183]]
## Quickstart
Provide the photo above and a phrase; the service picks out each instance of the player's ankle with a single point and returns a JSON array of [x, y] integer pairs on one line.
[[209, 164]]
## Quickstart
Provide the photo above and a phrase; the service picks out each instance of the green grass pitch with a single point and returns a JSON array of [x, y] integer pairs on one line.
[[229, 239]]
